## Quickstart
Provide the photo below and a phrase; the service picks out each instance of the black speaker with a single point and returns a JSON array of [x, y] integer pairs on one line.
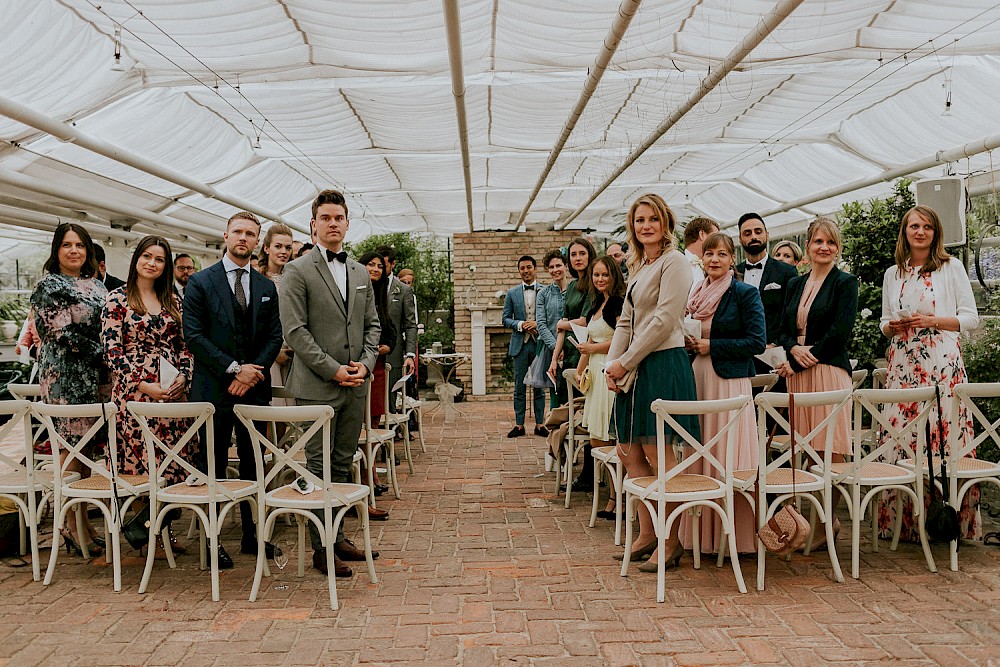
[[947, 197]]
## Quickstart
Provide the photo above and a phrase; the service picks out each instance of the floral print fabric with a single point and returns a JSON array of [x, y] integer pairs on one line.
[[71, 369], [923, 358], [134, 344]]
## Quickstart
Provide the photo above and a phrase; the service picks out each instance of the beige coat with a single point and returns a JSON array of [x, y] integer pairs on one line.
[[654, 309]]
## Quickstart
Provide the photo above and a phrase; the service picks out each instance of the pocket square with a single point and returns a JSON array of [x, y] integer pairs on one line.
[[772, 286], [361, 287], [265, 299]]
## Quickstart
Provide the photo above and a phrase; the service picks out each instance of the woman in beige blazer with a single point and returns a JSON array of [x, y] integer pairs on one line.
[[650, 337]]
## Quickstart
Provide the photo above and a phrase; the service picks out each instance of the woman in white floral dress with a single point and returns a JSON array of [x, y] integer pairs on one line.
[[926, 301]]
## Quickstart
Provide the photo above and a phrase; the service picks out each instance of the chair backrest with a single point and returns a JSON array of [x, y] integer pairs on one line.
[[879, 376], [31, 392], [171, 452], [966, 395], [17, 413], [386, 407], [310, 419], [575, 416], [857, 379], [809, 446], [695, 449], [764, 381], [876, 404], [103, 417]]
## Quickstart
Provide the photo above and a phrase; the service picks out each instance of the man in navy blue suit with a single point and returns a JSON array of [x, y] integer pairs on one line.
[[519, 317], [232, 328]]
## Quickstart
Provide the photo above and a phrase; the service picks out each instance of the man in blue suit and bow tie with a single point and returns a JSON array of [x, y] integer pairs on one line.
[[519, 317], [232, 328]]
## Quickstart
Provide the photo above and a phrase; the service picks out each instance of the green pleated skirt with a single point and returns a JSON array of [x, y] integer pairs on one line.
[[666, 375]]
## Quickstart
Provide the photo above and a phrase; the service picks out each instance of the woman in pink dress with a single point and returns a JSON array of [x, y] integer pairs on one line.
[[733, 330], [816, 326]]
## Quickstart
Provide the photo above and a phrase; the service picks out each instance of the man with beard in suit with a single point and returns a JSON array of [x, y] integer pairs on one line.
[[768, 275]]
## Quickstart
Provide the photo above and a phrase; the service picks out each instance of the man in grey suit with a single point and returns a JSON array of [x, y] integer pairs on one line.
[[403, 315], [328, 319]]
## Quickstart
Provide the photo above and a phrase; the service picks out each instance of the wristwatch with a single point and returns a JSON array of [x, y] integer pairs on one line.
[[236, 369]]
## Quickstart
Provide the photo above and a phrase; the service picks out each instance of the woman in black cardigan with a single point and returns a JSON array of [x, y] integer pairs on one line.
[[732, 331], [816, 326]]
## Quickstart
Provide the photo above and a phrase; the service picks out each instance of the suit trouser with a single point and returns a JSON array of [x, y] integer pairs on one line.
[[345, 428], [522, 360], [224, 423]]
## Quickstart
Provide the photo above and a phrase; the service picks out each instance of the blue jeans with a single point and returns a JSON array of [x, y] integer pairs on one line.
[[521, 363]]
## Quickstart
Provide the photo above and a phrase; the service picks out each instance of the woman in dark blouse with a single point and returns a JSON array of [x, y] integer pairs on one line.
[[67, 304]]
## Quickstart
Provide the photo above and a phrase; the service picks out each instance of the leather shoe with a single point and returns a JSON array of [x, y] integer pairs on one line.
[[340, 568], [374, 514], [347, 550], [541, 431], [581, 485], [249, 546], [225, 560], [516, 432]]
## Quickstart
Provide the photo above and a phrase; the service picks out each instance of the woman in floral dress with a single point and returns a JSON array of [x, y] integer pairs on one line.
[[926, 301], [141, 324], [67, 307]]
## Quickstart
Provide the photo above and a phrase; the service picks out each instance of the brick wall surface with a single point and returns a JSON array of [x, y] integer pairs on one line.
[[494, 256]]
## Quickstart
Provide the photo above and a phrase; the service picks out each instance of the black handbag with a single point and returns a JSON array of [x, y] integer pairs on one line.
[[136, 530], [941, 522]]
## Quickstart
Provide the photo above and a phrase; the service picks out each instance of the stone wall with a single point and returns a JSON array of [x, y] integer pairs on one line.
[[494, 257]]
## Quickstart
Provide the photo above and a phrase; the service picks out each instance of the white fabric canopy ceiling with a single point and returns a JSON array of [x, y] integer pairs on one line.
[[271, 100]]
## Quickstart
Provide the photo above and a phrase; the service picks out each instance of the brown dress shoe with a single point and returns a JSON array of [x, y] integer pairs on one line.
[[340, 568], [347, 550], [374, 513]]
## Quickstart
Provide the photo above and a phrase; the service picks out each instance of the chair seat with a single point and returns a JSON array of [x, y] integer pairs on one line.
[[285, 496], [608, 454], [679, 484], [185, 493], [15, 482], [966, 467], [871, 474], [102, 483], [378, 435], [779, 478], [396, 418]]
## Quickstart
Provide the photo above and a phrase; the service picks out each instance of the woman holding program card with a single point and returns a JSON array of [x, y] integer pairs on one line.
[[144, 346]]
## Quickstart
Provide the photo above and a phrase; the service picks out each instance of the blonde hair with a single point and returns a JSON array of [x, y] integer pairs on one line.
[[636, 253], [792, 246], [824, 225], [938, 255]]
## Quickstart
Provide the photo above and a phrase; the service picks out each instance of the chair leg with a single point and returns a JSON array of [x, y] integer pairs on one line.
[[150, 557], [617, 475], [956, 502], [733, 555], [420, 431], [406, 445], [899, 522], [598, 471], [695, 513], [390, 466], [630, 501], [370, 561], [856, 532], [36, 574], [302, 546], [919, 515], [812, 529], [258, 573], [58, 518], [831, 544]]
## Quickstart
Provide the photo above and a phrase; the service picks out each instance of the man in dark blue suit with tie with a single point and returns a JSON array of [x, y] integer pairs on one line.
[[232, 328], [519, 317]]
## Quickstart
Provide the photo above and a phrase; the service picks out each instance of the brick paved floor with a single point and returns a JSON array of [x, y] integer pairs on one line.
[[481, 566]]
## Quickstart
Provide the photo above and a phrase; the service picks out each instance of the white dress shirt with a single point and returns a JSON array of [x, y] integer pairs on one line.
[[753, 276], [339, 272], [230, 266], [697, 272], [529, 302]]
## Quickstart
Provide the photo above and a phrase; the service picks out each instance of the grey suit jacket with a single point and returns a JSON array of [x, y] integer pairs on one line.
[[324, 332], [402, 314]]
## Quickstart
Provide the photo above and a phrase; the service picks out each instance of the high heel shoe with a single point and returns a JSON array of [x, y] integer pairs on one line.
[[673, 560], [639, 554], [72, 548]]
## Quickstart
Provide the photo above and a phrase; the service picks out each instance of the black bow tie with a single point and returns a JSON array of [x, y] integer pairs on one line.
[[750, 267], [529, 287], [339, 256]]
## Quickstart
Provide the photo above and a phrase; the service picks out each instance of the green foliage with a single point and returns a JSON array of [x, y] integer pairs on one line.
[[430, 261], [869, 230], [14, 307], [981, 354]]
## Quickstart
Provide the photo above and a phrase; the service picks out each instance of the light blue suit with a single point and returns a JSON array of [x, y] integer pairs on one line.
[[522, 351]]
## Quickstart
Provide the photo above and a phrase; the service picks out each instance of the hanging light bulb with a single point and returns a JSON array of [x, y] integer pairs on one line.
[[947, 105], [117, 66], [770, 158]]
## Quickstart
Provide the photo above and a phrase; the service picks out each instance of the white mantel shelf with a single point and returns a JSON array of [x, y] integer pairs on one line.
[[483, 317]]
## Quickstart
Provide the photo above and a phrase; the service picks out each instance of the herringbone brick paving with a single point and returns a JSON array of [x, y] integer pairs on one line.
[[481, 566]]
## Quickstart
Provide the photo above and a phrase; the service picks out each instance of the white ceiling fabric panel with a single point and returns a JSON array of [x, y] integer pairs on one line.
[[269, 101]]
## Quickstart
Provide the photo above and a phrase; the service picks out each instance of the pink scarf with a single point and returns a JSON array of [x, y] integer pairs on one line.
[[702, 304]]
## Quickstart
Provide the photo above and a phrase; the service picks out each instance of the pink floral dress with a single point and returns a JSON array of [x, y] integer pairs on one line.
[[923, 358]]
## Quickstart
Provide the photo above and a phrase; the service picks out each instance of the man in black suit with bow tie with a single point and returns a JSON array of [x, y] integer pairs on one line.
[[768, 275]]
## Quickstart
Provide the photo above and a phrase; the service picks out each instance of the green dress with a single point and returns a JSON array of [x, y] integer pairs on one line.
[[576, 305]]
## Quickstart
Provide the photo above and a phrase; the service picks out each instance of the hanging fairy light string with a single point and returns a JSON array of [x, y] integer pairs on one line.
[[284, 143]]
